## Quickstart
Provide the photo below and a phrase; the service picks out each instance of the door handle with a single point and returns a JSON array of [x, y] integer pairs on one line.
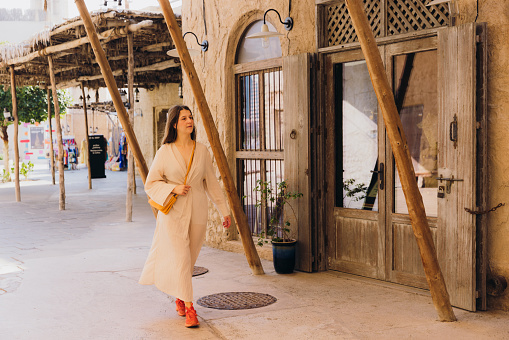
[[381, 175], [453, 131]]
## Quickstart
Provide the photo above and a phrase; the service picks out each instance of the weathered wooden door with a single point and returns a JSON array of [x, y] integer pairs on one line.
[[457, 165], [434, 81], [355, 168], [413, 73], [297, 102]]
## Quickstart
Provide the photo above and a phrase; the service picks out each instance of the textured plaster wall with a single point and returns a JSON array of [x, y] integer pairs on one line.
[[225, 22], [163, 96], [496, 14]]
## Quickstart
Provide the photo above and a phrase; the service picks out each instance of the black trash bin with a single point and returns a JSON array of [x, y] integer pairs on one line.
[[97, 146]]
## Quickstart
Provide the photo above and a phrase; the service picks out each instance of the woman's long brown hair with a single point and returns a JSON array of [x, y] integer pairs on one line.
[[170, 132]]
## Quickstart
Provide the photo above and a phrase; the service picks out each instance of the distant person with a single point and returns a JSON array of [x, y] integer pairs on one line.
[[180, 234]]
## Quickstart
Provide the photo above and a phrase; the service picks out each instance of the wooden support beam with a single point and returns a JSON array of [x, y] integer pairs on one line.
[[155, 47], [130, 158], [87, 149], [15, 138], [403, 160], [118, 57], [61, 182], [68, 68], [112, 88], [213, 136], [51, 151], [163, 65], [154, 67]]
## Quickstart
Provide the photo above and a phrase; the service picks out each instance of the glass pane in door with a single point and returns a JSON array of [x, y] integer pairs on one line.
[[249, 127], [357, 186], [415, 82]]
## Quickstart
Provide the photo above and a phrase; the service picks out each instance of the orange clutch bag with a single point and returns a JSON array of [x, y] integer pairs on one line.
[[166, 208]]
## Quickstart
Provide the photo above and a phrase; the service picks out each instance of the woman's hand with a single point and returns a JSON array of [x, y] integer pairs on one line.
[[227, 221], [181, 189]]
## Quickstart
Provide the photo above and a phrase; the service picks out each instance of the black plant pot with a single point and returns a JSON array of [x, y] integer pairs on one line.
[[283, 254]]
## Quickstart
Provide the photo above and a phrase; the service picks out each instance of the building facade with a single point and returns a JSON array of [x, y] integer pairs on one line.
[[303, 109]]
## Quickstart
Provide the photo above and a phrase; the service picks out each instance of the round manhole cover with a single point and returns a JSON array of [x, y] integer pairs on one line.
[[236, 300], [199, 270]]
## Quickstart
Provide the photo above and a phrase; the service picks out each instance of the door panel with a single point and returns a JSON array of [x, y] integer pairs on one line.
[[356, 240], [414, 79], [296, 96], [434, 80], [457, 159]]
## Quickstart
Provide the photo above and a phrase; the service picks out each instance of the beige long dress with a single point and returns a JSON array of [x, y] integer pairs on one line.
[[180, 234]]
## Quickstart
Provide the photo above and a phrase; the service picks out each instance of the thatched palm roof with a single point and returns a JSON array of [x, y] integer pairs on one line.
[[74, 59]]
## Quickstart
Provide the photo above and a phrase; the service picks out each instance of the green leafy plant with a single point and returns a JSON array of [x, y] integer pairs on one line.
[[5, 176], [356, 191], [25, 169], [278, 196]]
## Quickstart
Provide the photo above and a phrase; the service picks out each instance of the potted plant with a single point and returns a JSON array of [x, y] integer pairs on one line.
[[274, 198]]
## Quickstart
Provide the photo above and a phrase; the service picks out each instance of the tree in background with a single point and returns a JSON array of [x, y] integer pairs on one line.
[[32, 107]]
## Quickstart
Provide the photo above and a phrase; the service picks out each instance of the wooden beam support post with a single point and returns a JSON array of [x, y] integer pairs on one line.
[[59, 135], [403, 161], [50, 128], [87, 149], [130, 158], [16, 129], [109, 79], [213, 136]]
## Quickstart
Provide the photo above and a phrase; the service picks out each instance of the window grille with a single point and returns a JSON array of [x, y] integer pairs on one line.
[[259, 140], [401, 16]]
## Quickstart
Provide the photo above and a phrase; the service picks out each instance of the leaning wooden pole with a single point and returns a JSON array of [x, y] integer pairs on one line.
[[403, 161], [130, 158], [109, 79], [50, 128], [87, 150], [16, 128], [60, 143], [213, 136]]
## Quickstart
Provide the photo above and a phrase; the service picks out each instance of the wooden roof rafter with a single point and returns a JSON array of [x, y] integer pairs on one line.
[[74, 60]]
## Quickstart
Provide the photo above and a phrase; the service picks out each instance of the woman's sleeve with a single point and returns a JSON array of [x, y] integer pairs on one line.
[[156, 185], [213, 189]]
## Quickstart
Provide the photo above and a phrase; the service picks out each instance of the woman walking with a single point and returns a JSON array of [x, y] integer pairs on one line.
[[180, 234]]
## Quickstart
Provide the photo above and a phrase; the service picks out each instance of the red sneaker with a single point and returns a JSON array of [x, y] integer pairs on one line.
[[181, 307], [191, 317]]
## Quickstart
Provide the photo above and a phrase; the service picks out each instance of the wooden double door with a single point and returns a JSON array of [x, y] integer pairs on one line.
[[436, 83]]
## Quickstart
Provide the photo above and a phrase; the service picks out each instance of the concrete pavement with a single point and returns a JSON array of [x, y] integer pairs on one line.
[[73, 275]]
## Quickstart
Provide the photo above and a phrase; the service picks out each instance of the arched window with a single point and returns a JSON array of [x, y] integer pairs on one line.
[[252, 50], [259, 121]]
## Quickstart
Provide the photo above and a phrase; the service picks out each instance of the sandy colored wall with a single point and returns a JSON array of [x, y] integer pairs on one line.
[[224, 28], [496, 14], [164, 96]]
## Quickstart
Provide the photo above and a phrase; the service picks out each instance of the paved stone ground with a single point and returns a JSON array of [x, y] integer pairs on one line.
[[73, 275]]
